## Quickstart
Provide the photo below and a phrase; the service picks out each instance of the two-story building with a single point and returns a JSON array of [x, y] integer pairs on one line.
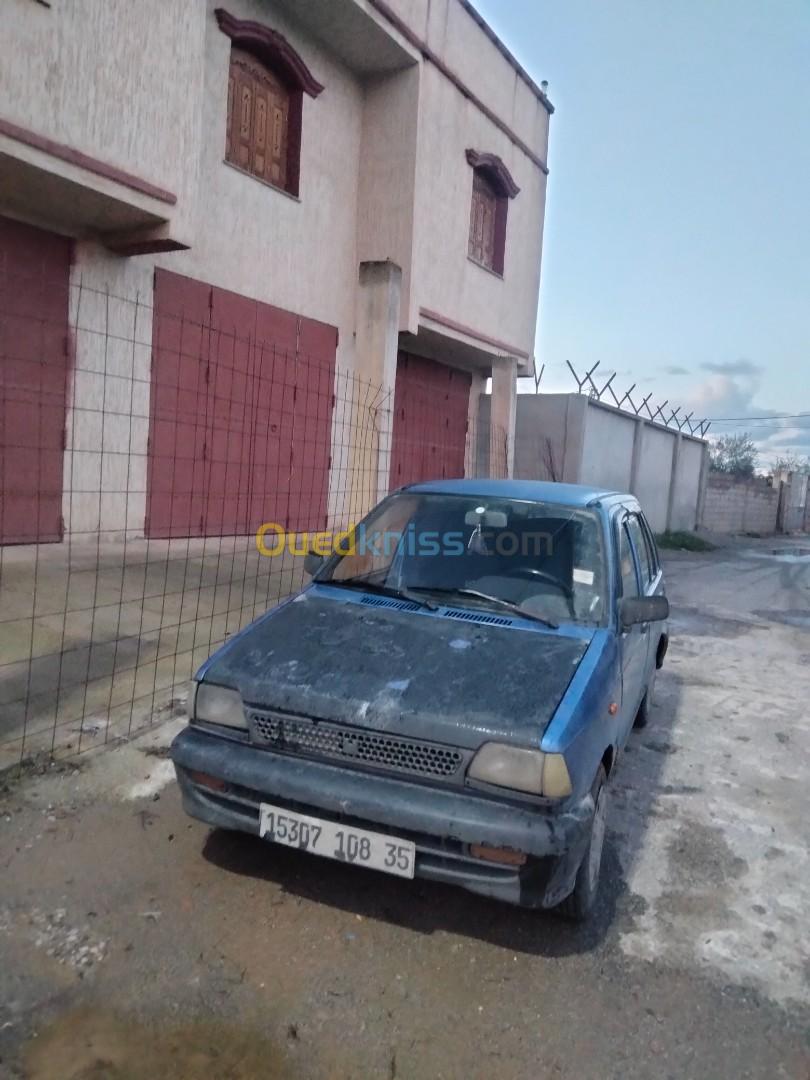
[[257, 261]]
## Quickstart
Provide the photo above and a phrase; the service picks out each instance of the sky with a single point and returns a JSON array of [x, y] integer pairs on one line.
[[677, 239]]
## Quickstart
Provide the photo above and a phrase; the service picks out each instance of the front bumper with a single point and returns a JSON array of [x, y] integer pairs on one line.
[[441, 822]]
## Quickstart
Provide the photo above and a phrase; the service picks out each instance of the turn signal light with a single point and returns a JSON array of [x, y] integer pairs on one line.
[[204, 780], [498, 855]]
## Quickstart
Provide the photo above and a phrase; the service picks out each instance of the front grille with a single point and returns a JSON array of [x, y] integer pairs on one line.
[[315, 738]]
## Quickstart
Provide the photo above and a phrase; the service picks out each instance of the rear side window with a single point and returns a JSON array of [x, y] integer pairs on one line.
[[653, 550], [627, 564], [642, 547]]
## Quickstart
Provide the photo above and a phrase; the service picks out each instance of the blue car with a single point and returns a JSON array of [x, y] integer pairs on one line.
[[450, 694]]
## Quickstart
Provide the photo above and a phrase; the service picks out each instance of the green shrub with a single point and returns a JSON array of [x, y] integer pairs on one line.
[[683, 541]]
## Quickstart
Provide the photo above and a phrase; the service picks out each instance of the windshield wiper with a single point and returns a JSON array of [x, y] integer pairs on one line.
[[361, 582], [507, 604]]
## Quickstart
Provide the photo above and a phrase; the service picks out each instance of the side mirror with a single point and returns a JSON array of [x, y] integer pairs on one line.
[[313, 562], [642, 609]]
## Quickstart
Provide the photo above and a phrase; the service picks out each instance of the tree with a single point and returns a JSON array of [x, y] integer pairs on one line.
[[791, 462], [734, 454]]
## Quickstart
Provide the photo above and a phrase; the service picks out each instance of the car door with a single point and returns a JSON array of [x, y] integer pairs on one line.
[[652, 579], [634, 641]]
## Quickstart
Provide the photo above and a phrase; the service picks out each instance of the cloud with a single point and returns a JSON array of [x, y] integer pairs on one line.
[[734, 367], [675, 369], [723, 395], [792, 435]]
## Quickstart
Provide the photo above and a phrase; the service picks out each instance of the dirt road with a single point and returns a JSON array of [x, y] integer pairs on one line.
[[135, 943]]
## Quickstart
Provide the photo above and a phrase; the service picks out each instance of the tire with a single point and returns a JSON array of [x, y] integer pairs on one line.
[[645, 708], [580, 903]]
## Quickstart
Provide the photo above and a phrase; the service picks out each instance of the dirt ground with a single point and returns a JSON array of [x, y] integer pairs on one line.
[[135, 943]]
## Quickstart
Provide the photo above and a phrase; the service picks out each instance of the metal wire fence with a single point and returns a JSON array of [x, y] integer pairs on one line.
[[142, 451]]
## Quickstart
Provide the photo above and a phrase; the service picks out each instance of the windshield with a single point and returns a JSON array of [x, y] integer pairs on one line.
[[546, 559]]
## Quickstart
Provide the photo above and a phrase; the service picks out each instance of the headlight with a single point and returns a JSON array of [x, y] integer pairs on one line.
[[218, 705], [521, 770]]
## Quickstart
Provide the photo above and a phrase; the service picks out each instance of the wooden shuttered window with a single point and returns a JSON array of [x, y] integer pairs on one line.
[[487, 223], [482, 220], [258, 131]]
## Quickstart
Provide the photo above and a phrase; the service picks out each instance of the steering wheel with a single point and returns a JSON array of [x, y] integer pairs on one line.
[[533, 572]]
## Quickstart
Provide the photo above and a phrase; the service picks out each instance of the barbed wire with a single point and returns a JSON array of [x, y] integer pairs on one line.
[[663, 414], [586, 385]]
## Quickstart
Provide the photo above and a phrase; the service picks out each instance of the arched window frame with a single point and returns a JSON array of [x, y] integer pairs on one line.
[[274, 52], [492, 183]]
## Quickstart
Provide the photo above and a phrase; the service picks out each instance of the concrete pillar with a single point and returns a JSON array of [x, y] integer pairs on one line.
[[577, 408], [372, 412], [673, 479], [703, 484], [502, 417], [638, 448], [478, 398]]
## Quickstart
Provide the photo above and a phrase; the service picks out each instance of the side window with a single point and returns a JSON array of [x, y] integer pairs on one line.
[[266, 83], [627, 564], [642, 549], [486, 244], [492, 189], [257, 136]]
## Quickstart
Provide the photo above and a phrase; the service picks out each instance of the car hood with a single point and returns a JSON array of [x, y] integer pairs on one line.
[[416, 673]]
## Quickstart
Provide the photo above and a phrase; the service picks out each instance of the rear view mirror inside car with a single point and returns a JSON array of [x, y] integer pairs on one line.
[[493, 519]]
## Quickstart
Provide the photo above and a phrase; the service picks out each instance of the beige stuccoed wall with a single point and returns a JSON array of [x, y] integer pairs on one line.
[[119, 81], [387, 182], [446, 280], [383, 174], [143, 87], [299, 254], [451, 32]]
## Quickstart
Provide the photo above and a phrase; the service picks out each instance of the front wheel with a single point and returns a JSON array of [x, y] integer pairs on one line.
[[579, 904]]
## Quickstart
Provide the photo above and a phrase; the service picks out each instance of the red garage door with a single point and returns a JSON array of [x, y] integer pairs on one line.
[[241, 414], [34, 276], [431, 406]]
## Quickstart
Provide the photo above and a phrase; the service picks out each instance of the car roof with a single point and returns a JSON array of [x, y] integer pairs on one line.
[[526, 490]]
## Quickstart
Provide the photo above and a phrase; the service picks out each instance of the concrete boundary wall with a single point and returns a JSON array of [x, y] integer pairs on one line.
[[573, 438], [735, 505]]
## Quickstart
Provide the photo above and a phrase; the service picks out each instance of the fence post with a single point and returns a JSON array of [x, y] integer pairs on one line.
[[673, 479], [638, 445], [781, 506], [703, 483]]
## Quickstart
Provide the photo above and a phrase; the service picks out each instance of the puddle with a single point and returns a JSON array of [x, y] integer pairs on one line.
[[790, 617], [785, 555], [91, 1045]]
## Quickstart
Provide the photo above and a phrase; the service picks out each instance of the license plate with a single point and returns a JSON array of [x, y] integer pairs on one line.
[[342, 842]]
